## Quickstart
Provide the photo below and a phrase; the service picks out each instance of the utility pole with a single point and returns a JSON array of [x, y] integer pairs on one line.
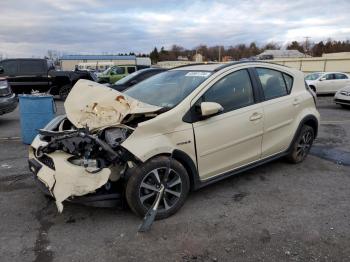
[[219, 53], [307, 44]]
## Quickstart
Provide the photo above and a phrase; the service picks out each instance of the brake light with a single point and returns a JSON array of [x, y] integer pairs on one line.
[[313, 94]]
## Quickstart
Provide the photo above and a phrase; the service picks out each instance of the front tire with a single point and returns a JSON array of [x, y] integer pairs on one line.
[[144, 183], [64, 91], [345, 106], [302, 145], [313, 88]]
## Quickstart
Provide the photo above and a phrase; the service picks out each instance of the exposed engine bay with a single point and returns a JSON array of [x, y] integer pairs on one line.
[[82, 153], [93, 151]]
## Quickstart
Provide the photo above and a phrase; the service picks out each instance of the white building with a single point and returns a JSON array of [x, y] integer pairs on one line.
[[272, 54], [100, 62]]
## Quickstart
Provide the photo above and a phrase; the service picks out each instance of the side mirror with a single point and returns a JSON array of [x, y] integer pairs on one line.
[[1, 70], [322, 79], [210, 108]]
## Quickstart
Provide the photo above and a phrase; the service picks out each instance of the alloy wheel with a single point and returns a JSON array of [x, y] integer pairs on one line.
[[304, 145], [151, 184]]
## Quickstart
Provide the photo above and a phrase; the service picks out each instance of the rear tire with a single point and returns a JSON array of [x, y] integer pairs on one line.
[[302, 145], [345, 106], [145, 179], [64, 91]]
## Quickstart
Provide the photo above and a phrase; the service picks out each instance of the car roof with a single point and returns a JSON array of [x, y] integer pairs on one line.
[[199, 67], [214, 67], [334, 73]]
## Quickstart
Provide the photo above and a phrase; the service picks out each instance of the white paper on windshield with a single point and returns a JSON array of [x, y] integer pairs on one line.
[[199, 74]]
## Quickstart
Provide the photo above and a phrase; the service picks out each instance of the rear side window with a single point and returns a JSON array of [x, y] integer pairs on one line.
[[10, 67], [232, 91], [120, 70], [31, 67], [340, 76], [329, 76], [131, 70], [273, 83]]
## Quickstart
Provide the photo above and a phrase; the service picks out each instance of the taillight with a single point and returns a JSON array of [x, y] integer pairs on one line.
[[5, 89], [313, 94]]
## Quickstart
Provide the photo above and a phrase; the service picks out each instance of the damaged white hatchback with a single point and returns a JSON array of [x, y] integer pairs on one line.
[[172, 133]]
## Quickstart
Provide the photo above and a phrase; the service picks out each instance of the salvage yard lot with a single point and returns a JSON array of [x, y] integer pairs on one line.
[[276, 212]]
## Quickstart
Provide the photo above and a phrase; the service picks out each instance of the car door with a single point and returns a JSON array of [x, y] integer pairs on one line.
[[32, 75], [326, 84], [120, 72], [232, 138], [280, 109], [340, 81]]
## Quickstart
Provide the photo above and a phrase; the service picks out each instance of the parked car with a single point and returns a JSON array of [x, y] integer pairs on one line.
[[174, 132], [135, 78], [8, 100], [327, 82], [27, 74], [342, 97], [114, 73]]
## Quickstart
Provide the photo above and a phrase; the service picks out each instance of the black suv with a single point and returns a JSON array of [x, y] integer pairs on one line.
[[27, 74]]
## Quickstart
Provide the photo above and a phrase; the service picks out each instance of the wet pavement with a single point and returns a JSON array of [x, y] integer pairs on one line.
[[276, 212]]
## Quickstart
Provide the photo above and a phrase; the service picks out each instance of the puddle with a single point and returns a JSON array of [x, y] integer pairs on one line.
[[337, 156]]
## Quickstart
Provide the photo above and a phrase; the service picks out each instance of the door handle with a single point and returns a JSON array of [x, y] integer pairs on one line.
[[255, 116], [296, 102]]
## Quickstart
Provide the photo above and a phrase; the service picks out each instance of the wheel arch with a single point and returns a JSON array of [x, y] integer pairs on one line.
[[309, 120], [187, 163], [313, 87]]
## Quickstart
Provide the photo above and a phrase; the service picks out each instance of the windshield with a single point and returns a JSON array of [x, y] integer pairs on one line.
[[313, 76], [128, 77], [107, 71], [169, 88]]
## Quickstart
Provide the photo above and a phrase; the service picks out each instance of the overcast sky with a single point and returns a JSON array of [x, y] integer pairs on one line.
[[31, 27]]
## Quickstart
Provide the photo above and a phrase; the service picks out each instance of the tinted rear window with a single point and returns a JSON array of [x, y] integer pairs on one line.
[[31, 67]]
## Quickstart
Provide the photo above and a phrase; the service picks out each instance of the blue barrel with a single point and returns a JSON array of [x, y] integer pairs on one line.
[[35, 112]]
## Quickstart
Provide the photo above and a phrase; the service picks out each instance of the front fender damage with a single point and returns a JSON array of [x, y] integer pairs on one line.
[[82, 152]]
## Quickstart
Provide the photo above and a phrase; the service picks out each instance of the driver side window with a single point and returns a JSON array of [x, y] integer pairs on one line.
[[232, 91]]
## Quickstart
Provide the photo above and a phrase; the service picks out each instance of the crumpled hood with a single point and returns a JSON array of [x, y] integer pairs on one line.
[[95, 105]]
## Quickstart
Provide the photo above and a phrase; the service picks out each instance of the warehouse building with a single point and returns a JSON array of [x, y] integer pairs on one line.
[[100, 62]]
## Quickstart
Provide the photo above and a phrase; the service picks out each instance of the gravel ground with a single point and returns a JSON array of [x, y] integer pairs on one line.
[[276, 212]]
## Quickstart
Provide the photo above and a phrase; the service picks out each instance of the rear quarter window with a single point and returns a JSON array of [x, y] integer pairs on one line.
[[131, 70], [289, 82]]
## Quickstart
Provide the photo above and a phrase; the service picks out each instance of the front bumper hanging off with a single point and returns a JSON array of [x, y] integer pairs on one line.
[[64, 181]]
